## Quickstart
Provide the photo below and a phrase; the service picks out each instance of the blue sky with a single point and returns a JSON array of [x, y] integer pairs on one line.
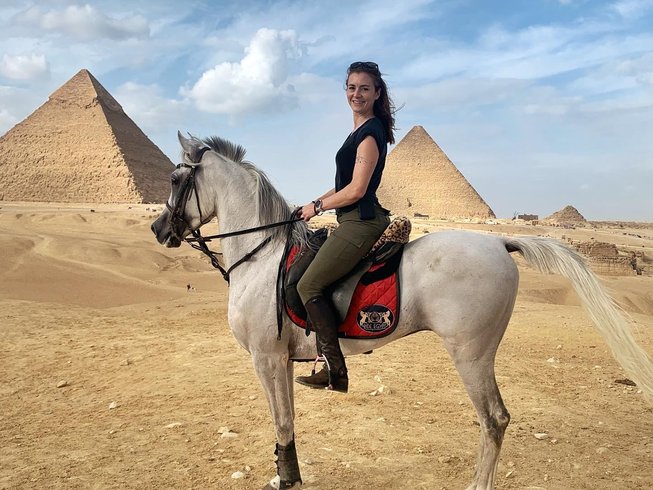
[[539, 103]]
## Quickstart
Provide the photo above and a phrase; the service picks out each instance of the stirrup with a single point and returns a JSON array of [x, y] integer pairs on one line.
[[324, 379]]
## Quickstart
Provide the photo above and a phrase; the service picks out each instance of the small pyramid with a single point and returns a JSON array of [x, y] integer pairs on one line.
[[419, 179], [80, 146], [568, 214]]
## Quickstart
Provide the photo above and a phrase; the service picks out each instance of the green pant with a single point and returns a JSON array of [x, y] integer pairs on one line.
[[344, 248]]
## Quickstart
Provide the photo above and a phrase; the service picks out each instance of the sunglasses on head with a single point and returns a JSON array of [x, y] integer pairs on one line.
[[364, 65]]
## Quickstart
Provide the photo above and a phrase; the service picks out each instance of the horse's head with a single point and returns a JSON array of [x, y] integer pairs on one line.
[[183, 212]]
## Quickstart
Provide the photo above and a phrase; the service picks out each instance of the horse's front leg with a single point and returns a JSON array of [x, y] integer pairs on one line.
[[275, 371]]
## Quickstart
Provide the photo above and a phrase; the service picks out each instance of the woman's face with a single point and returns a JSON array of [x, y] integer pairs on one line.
[[361, 93]]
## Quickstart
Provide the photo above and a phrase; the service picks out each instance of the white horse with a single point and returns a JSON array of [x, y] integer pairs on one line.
[[460, 285]]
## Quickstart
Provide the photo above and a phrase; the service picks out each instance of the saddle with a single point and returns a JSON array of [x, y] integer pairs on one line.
[[367, 299]]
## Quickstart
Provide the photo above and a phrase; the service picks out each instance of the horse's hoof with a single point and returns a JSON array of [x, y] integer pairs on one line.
[[275, 484]]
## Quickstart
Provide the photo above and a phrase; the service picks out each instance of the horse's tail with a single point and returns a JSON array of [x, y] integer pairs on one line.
[[550, 256]]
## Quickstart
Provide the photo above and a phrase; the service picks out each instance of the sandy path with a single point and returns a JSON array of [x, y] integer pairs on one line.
[[91, 299]]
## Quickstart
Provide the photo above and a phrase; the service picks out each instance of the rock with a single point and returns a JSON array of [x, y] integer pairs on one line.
[[113, 405], [228, 435], [222, 430], [602, 450], [173, 425], [625, 381], [62, 384], [381, 390], [509, 474], [237, 474], [444, 459], [541, 436]]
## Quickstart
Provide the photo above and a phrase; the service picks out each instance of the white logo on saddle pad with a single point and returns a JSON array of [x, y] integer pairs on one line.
[[375, 318]]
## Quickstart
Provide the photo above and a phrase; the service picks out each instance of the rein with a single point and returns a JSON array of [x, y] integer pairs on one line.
[[202, 247], [247, 230]]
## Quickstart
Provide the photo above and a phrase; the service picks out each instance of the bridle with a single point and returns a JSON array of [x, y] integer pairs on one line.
[[177, 213], [198, 242]]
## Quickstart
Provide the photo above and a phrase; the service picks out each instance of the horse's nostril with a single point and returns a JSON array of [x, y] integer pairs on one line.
[[153, 228]]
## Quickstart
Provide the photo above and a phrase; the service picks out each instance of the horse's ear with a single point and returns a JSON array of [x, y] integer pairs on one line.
[[186, 143]]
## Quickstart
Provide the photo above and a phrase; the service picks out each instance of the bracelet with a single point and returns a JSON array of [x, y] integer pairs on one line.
[[317, 207]]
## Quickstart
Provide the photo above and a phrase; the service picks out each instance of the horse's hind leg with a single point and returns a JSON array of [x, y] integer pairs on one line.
[[477, 374], [275, 372]]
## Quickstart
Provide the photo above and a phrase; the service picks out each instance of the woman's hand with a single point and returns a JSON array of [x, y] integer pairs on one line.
[[308, 211]]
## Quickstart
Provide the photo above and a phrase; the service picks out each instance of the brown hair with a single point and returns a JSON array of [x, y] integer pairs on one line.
[[384, 107]]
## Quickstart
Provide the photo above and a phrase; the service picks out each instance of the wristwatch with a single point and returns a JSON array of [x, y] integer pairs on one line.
[[317, 207]]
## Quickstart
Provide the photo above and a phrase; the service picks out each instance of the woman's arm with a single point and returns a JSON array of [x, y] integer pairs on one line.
[[367, 155], [329, 193]]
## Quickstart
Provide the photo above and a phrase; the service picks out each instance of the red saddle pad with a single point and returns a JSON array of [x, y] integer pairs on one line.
[[373, 311]]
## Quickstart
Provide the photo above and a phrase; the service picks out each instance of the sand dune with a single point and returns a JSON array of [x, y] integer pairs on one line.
[[88, 299]]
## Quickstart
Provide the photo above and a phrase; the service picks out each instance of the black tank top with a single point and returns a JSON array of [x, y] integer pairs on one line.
[[346, 159]]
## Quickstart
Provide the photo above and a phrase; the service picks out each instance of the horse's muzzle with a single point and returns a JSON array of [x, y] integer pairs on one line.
[[163, 231]]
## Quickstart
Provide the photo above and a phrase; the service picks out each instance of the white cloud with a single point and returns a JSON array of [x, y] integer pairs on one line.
[[632, 9], [157, 115], [16, 104], [24, 67], [6, 121], [85, 23], [457, 93], [148, 104], [259, 82]]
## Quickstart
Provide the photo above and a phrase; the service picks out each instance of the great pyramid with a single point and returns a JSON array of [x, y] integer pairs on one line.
[[419, 179], [80, 146]]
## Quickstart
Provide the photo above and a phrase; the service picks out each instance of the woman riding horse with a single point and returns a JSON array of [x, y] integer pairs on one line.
[[362, 220]]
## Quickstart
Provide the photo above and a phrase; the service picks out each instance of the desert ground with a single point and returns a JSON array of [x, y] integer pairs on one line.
[[114, 374]]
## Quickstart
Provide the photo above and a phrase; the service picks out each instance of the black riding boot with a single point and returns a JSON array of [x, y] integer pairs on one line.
[[334, 374]]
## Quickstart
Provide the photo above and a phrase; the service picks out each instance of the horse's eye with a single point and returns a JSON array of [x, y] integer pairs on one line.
[[174, 179]]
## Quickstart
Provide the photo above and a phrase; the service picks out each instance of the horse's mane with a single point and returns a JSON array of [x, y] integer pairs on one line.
[[232, 151], [271, 205]]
